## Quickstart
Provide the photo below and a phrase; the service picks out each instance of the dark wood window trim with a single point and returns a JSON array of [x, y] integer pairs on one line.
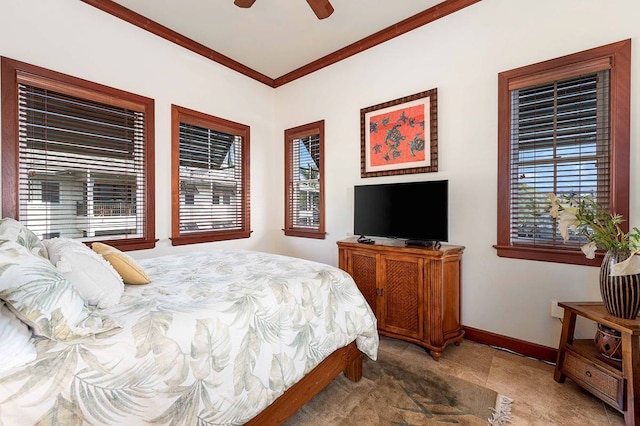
[[187, 116], [14, 72], [616, 56], [290, 228]]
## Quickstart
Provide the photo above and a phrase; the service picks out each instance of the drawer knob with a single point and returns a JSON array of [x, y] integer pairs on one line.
[[588, 373]]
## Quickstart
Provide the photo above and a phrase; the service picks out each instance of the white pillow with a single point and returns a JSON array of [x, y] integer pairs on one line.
[[43, 298], [93, 277], [17, 347], [11, 229]]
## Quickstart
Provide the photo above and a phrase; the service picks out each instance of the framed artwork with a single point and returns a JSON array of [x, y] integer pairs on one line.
[[401, 136]]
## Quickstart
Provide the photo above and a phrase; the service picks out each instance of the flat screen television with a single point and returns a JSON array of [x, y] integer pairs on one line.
[[415, 211]]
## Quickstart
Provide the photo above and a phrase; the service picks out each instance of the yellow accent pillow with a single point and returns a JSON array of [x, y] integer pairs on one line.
[[128, 269]]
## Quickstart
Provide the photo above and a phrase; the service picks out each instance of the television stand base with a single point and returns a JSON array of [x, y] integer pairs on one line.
[[423, 243]]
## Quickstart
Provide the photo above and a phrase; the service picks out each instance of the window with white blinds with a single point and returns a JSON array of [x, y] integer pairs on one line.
[[82, 158], [564, 128], [210, 174], [304, 198], [560, 144]]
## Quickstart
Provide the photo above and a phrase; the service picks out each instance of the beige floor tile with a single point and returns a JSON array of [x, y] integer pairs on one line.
[[462, 367], [538, 399]]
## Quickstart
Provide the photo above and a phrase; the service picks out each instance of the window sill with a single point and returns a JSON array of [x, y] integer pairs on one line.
[[129, 245], [320, 235], [208, 237], [557, 255]]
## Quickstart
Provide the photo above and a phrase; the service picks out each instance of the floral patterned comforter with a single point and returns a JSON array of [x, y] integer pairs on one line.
[[214, 339]]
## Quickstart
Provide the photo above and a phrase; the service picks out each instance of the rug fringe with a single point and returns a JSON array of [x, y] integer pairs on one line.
[[502, 411]]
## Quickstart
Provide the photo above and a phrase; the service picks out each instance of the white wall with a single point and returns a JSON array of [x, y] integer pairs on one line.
[[461, 55], [77, 39]]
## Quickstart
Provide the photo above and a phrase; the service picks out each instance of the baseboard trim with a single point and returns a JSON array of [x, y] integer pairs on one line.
[[533, 350]]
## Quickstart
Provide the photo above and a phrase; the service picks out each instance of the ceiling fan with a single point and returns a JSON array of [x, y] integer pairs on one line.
[[322, 8]]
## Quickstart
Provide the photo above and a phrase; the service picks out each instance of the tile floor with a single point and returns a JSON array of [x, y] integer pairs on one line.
[[537, 398]]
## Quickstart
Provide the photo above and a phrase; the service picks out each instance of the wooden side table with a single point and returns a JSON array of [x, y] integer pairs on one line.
[[615, 382]]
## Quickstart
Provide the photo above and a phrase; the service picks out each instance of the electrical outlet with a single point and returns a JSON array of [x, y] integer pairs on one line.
[[556, 311]]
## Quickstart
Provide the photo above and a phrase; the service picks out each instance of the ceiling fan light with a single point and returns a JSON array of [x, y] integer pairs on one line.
[[322, 8], [244, 3]]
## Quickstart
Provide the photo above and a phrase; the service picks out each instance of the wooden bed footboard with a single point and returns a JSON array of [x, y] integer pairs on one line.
[[347, 359]]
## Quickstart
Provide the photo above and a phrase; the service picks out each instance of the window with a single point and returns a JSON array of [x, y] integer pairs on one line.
[[563, 127], [210, 175], [50, 192], [304, 177], [189, 191], [86, 148], [222, 194], [108, 199]]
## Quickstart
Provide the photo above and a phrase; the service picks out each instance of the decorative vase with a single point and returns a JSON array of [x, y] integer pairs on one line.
[[609, 342], [620, 294]]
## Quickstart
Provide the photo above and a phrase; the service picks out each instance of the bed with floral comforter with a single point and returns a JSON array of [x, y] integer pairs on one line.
[[213, 339]]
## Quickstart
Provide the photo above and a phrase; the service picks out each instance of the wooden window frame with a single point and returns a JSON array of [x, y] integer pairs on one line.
[[289, 135], [184, 115], [616, 56], [14, 72]]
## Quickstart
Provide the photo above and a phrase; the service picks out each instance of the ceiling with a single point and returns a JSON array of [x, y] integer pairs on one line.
[[273, 37]]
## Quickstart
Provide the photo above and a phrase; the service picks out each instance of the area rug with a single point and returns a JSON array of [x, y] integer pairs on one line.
[[393, 392]]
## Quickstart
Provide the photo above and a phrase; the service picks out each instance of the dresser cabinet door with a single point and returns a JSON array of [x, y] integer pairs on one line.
[[402, 296], [362, 267]]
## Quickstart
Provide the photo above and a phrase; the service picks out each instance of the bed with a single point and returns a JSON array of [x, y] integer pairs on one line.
[[216, 337]]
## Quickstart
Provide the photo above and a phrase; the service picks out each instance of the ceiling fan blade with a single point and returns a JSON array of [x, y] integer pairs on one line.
[[322, 8], [244, 3]]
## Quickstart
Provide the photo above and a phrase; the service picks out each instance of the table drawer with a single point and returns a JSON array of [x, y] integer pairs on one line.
[[602, 383]]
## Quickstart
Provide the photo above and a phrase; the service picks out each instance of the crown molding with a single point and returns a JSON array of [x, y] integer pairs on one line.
[[128, 15], [434, 13], [427, 16]]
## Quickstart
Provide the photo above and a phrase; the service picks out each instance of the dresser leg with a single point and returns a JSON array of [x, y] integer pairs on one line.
[[436, 355]]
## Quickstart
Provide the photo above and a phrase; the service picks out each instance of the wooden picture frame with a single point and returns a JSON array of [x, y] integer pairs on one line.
[[400, 136]]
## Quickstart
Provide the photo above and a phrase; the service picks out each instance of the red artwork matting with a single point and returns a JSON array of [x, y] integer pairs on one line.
[[397, 137], [400, 136]]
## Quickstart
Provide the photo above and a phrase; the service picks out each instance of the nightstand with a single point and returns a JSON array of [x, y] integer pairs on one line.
[[615, 382]]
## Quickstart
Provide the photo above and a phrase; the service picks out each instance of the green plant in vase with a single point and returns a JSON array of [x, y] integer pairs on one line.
[[620, 270], [584, 216]]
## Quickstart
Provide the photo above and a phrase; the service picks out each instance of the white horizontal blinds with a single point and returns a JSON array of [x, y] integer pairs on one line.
[[82, 171], [305, 183], [560, 144], [210, 180]]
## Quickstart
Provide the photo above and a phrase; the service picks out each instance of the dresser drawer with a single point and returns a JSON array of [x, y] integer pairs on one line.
[[604, 384]]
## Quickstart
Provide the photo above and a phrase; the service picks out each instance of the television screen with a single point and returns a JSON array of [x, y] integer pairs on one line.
[[416, 211]]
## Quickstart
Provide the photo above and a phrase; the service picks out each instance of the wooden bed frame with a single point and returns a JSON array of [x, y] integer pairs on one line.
[[347, 359]]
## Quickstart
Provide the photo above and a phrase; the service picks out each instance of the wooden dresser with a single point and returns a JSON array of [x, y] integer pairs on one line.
[[414, 291]]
